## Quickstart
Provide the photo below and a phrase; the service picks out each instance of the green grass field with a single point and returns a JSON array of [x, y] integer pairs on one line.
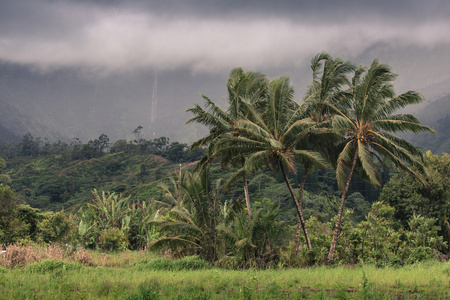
[[142, 275]]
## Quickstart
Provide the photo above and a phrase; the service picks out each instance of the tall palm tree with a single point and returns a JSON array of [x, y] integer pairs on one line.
[[368, 128], [240, 85], [329, 85], [268, 134]]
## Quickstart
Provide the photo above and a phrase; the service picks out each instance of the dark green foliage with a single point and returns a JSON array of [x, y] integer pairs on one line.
[[54, 227], [359, 205], [22, 223], [12, 228], [29, 145], [411, 199]]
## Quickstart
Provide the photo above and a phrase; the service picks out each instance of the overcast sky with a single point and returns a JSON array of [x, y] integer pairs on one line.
[[208, 35]]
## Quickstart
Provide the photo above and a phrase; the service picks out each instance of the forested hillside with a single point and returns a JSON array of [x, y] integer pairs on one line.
[[62, 176]]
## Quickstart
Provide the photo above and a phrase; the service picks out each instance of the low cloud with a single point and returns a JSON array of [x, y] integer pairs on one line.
[[115, 40]]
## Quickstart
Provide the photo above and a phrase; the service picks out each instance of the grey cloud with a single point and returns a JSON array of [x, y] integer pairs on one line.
[[207, 35]]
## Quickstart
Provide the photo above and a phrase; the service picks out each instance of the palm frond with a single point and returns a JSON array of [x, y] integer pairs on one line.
[[366, 159], [402, 123], [343, 163]]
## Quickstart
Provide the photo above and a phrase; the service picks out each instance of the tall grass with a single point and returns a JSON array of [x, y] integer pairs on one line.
[[142, 275]]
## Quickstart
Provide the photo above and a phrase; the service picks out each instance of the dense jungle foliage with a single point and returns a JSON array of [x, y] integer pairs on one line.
[[275, 182]]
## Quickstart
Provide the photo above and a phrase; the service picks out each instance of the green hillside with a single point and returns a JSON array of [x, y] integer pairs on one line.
[[62, 176], [52, 184]]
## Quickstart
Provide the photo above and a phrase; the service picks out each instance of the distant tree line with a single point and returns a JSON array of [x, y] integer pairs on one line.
[[77, 150]]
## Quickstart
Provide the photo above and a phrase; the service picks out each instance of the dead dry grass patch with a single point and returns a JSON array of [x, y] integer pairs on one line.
[[20, 256]]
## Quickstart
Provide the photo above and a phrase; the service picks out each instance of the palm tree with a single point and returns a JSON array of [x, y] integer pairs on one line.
[[191, 229], [367, 129], [329, 79], [240, 85], [268, 134], [251, 241]]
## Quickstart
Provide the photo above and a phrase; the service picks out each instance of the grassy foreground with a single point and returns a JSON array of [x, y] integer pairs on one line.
[[145, 276]]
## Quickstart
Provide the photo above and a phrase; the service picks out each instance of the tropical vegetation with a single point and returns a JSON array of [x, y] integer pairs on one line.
[[275, 183]]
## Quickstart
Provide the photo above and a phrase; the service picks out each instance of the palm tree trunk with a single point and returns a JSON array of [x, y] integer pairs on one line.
[[300, 200], [179, 187], [297, 235], [246, 194], [341, 209], [299, 208]]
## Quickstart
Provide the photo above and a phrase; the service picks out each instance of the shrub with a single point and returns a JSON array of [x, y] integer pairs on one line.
[[113, 239], [421, 253], [54, 227]]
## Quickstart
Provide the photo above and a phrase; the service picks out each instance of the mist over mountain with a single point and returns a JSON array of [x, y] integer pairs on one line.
[[437, 116], [65, 104], [68, 102], [73, 68]]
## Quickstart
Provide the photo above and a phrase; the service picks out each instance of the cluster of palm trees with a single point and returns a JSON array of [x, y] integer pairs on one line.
[[346, 120]]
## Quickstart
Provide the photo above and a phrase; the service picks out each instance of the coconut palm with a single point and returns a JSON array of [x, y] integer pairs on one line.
[[268, 134], [329, 84], [368, 128], [240, 85]]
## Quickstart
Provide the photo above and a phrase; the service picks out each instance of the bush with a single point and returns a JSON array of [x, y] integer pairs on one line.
[[54, 227], [421, 253], [113, 239]]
